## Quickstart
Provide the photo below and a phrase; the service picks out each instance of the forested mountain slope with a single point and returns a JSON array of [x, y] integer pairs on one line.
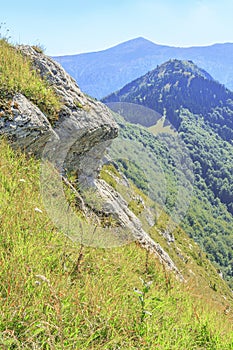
[[201, 110]]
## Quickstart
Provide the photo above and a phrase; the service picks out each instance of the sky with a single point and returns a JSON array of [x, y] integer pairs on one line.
[[65, 27]]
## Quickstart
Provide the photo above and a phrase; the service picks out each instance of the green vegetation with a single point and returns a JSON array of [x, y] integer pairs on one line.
[[17, 75], [55, 294], [106, 176], [212, 156], [58, 294], [201, 110], [161, 127], [206, 220]]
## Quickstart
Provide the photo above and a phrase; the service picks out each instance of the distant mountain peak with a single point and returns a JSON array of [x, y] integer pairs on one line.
[[140, 40], [100, 73], [135, 44]]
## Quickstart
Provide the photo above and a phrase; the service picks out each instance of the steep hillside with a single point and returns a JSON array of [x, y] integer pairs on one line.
[[57, 293], [100, 73], [61, 287], [202, 112]]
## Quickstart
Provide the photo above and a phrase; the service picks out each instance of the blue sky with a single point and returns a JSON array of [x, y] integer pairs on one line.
[[75, 26]]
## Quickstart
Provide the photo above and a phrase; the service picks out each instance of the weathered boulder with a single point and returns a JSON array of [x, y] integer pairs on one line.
[[27, 127]]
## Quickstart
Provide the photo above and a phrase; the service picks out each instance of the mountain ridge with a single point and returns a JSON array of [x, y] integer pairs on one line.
[[180, 83]]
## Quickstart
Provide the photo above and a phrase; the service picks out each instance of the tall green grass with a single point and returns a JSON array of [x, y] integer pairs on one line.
[[17, 75], [55, 294]]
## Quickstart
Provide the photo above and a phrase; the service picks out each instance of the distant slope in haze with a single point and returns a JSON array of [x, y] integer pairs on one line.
[[100, 73]]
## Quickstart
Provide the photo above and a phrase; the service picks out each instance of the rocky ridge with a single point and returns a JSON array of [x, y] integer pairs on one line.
[[76, 142]]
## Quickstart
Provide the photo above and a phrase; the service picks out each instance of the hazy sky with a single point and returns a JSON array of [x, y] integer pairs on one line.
[[75, 26]]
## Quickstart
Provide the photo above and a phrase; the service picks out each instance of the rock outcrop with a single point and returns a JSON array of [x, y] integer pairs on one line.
[[76, 142], [117, 207], [27, 127], [83, 130]]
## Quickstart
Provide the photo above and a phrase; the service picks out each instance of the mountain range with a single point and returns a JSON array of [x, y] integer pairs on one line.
[[101, 73]]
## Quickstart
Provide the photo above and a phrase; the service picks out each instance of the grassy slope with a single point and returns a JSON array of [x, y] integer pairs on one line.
[[18, 76], [53, 297], [160, 126]]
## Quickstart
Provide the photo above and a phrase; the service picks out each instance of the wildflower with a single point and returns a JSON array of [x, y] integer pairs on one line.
[[43, 278], [137, 291], [147, 312]]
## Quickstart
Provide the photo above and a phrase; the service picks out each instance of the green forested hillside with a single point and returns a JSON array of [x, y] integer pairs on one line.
[[179, 84], [202, 112], [206, 220]]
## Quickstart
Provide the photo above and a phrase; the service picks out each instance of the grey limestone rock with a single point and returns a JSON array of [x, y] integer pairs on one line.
[[117, 207], [80, 136], [27, 128]]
